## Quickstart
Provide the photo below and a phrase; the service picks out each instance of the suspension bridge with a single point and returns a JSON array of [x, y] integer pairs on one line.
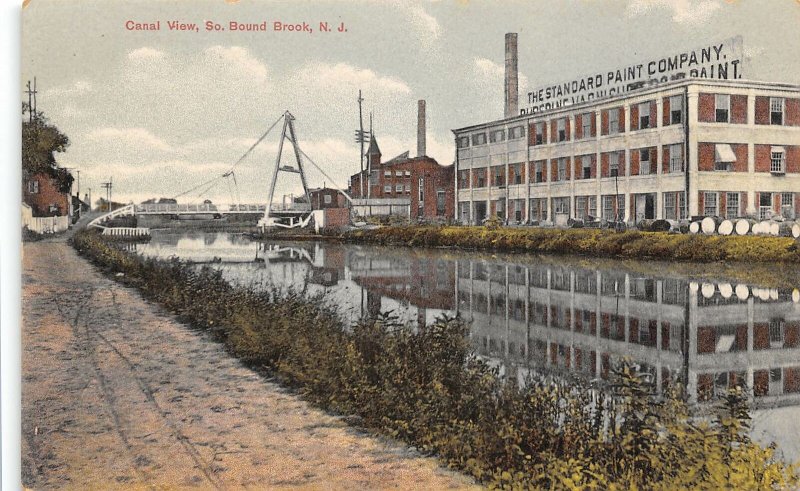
[[285, 214]]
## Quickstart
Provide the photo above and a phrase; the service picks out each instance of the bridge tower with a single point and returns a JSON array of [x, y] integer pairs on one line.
[[272, 215]]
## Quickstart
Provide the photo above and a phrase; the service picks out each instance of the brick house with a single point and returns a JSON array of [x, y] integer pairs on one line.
[[325, 197], [45, 193]]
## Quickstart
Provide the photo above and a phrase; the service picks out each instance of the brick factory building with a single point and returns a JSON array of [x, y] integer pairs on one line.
[[678, 149], [419, 185]]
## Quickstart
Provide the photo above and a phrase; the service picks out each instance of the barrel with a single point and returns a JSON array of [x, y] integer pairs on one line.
[[796, 230], [709, 225], [694, 228], [725, 227], [744, 226]]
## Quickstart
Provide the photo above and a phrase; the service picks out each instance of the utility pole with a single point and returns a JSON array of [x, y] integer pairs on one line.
[[361, 137], [107, 186], [31, 99]]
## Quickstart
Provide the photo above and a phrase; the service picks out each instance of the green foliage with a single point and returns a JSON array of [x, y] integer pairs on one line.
[[424, 386], [631, 244], [40, 141]]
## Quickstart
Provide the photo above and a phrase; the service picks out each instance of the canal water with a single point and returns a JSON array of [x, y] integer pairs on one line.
[[550, 316]]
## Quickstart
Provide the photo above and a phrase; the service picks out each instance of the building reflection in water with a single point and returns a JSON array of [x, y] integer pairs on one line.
[[532, 317]]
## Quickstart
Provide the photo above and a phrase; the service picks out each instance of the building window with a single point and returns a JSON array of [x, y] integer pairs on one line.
[[765, 206], [676, 158], [722, 105], [777, 163], [608, 207], [613, 164], [408, 188], [479, 139], [644, 161], [732, 205], [580, 207], [398, 173], [593, 206], [787, 205], [480, 177], [644, 115], [387, 173], [373, 178], [586, 166], [670, 212], [462, 142], [387, 189], [517, 174], [613, 121], [518, 210], [497, 136], [421, 189], [498, 176], [562, 169], [463, 179], [328, 199], [398, 188], [539, 171], [440, 203], [516, 132], [710, 208], [33, 186], [500, 208], [676, 109], [561, 128], [776, 110], [407, 173], [561, 206], [539, 129], [586, 124]]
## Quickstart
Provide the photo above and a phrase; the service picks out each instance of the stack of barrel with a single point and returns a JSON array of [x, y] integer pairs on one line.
[[776, 226]]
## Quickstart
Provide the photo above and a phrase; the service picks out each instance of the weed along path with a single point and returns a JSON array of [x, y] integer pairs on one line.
[[118, 394]]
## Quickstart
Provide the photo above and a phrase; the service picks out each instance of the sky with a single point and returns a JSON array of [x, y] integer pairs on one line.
[[160, 112]]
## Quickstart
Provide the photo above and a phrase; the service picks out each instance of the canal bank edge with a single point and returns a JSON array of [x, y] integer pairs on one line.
[[417, 386], [590, 242]]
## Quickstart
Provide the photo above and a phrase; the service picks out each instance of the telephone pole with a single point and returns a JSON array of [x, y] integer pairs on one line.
[[31, 99], [361, 137], [107, 186]]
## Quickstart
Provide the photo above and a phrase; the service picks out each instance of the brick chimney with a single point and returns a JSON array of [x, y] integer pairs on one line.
[[511, 80], [421, 128]]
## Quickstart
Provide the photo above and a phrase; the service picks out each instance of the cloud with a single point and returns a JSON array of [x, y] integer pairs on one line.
[[426, 24], [136, 138], [688, 12], [145, 53], [343, 74], [491, 76]]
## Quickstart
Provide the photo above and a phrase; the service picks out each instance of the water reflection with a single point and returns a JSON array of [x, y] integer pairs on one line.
[[526, 314]]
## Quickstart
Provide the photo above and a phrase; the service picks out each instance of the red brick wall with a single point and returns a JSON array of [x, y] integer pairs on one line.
[[579, 126], [739, 109], [634, 117], [706, 157], [604, 165], [553, 170], [792, 158], [760, 383], [792, 115], [791, 380], [706, 108], [337, 217], [604, 122], [48, 195], [763, 157], [760, 336], [501, 170], [621, 120], [666, 117], [635, 162], [653, 116], [762, 110]]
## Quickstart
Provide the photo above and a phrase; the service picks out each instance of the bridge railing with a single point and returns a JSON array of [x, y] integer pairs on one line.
[[126, 210]]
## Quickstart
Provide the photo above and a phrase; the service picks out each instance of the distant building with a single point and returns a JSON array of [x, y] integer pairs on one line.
[[325, 197], [46, 195], [424, 184]]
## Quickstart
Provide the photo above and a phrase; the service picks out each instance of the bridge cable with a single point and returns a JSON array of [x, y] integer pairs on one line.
[[234, 165], [332, 180]]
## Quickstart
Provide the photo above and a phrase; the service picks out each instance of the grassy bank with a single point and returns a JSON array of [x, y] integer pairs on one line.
[[425, 388], [591, 242]]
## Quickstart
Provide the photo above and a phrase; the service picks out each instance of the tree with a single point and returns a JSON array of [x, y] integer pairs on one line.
[[40, 141]]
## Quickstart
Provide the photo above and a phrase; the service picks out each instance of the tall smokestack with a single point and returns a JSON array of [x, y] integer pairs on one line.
[[511, 82], [421, 128]]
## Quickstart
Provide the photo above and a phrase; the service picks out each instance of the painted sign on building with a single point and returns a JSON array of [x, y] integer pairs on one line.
[[723, 60]]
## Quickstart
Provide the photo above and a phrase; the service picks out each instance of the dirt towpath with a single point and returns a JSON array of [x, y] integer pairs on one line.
[[117, 394]]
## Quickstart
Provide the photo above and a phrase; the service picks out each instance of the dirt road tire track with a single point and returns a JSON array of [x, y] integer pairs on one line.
[[119, 395]]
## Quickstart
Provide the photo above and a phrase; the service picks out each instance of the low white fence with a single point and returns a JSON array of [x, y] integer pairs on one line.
[[126, 232], [43, 225]]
